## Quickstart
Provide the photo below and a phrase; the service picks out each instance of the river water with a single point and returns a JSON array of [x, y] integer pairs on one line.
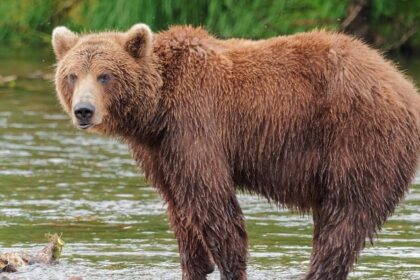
[[54, 178]]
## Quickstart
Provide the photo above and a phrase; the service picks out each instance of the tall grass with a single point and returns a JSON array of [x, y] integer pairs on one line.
[[31, 21]]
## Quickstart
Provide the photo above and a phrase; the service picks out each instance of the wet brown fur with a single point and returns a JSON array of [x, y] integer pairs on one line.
[[317, 122]]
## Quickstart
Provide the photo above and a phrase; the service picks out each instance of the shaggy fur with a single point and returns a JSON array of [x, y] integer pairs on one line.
[[317, 122]]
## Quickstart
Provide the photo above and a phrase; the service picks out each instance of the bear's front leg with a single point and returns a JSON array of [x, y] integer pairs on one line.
[[204, 201], [226, 237], [195, 257], [223, 234]]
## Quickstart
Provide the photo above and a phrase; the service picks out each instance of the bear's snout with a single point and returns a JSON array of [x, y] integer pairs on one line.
[[83, 111]]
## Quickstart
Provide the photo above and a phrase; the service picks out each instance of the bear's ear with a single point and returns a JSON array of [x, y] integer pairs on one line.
[[62, 41], [138, 42]]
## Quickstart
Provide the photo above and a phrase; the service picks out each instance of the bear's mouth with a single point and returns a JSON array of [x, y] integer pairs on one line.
[[84, 125]]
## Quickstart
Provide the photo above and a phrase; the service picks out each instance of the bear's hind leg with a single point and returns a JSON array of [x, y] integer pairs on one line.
[[339, 236]]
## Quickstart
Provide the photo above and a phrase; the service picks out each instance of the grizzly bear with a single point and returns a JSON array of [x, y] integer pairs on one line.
[[318, 122]]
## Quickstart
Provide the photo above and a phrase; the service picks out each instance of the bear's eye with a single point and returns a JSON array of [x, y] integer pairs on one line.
[[104, 78], [71, 79]]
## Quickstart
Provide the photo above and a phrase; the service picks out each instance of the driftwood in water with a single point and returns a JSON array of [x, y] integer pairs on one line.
[[11, 262]]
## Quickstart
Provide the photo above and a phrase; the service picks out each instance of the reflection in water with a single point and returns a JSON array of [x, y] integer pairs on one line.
[[54, 178]]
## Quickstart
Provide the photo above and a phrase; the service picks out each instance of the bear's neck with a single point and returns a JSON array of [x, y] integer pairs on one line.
[[170, 51]]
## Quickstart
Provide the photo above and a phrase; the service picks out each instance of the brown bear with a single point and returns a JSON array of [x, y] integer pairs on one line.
[[317, 122]]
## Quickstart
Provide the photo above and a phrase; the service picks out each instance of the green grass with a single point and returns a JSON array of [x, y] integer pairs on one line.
[[31, 21]]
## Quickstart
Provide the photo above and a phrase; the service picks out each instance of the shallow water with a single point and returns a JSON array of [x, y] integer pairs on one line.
[[54, 178]]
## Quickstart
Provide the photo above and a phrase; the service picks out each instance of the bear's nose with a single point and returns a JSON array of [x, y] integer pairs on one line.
[[84, 111]]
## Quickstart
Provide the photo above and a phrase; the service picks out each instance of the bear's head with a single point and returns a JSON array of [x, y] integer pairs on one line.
[[107, 82]]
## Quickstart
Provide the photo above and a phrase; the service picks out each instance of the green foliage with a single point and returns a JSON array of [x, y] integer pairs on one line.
[[32, 20], [393, 19]]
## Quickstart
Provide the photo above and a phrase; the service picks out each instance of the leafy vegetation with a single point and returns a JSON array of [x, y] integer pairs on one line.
[[390, 23]]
